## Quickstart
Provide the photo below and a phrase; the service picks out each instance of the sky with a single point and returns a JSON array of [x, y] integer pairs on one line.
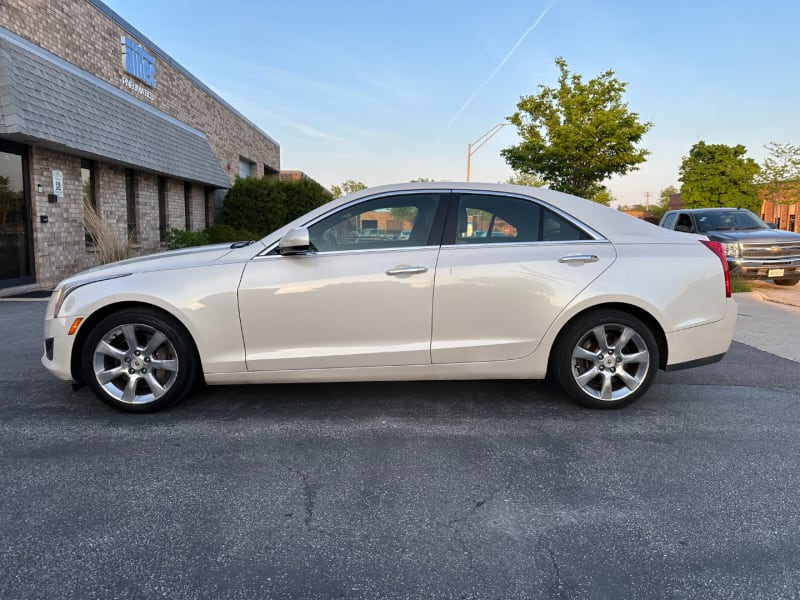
[[385, 92]]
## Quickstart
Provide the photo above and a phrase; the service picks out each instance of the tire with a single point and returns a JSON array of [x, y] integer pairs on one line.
[[139, 360], [594, 371], [786, 281]]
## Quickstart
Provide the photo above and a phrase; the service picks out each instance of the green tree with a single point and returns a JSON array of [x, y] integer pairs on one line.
[[663, 198], [578, 134], [347, 187], [529, 179], [719, 175], [602, 196], [779, 179], [263, 205]]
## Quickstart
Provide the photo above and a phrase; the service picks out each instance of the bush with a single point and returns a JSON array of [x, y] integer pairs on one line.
[[264, 205], [218, 234], [178, 238]]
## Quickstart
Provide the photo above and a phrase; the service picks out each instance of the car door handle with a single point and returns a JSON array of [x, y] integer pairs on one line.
[[578, 258], [406, 270]]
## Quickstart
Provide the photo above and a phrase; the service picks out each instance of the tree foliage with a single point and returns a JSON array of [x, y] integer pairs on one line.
[[529, 179], [263, 205], [779, 179], [663, 197], [578, 134], [719, 175], [347, 187]]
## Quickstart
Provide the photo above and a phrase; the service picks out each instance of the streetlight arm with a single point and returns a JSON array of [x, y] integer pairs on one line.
[[477, 144]]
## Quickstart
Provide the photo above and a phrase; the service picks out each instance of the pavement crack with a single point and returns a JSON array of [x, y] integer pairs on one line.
[[559, 581], [309, 492]]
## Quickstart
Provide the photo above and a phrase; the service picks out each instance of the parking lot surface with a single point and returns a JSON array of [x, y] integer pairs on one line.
[[401, 490]]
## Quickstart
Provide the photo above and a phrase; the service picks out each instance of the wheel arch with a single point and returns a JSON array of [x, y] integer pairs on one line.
[[636, 311], [93, 319]]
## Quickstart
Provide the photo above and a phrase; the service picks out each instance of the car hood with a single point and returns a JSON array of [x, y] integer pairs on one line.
[[753, 235], [161, 261]]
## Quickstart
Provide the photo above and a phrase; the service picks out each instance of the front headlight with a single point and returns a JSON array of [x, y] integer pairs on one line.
[[732, 249], [62, 291]]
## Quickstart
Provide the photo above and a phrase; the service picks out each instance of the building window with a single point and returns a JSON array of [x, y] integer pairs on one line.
[[777, 222], [209, 206], [187, 205], [246, 168], [88, 183], [791, 222], [89, 194], [162, 209], [130, 204]]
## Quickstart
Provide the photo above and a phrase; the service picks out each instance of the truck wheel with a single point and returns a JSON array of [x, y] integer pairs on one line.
[[786, 281]]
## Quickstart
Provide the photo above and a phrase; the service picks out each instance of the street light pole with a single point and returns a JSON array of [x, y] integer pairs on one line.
[[477, 144]]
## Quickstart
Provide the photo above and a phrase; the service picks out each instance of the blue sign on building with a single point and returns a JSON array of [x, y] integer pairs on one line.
[[139, 63]]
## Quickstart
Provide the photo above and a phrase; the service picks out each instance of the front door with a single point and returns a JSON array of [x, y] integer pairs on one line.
[[362, 297], [15, 251]]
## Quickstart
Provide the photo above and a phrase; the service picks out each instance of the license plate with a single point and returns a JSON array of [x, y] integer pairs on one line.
[[775, 273]]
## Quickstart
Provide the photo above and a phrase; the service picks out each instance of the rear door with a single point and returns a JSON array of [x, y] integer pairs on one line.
[[507, 268]]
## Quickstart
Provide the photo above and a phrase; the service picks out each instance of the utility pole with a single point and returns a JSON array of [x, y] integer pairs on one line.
[[647, 201]]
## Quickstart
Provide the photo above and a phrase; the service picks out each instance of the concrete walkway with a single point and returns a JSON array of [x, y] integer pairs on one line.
[[789, 295], [770, 321]]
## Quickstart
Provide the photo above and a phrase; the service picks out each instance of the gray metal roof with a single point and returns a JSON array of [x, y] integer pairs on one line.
[[46, 100]]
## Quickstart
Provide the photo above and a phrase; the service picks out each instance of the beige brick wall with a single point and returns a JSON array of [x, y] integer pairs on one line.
[[59, 245], [175, 213], [79, 33]]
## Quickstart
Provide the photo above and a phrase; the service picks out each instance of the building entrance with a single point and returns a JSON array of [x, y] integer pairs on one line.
[[15, 232]]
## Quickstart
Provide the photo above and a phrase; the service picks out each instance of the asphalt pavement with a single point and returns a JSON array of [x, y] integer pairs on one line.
[[486, 489]]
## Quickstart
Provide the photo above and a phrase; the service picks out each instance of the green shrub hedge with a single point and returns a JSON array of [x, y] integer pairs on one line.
[[252, 209]]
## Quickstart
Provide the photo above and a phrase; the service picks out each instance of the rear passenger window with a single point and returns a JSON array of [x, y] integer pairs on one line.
[[486, 219]]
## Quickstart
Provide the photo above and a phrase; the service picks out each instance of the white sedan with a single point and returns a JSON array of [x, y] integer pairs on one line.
[[491, 282]]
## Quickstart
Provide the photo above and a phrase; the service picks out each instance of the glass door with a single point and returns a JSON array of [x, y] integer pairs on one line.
[[15, 251]]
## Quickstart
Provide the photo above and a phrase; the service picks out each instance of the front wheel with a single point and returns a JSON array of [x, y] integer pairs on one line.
[[786, 281], [139, 360], [605, 359]]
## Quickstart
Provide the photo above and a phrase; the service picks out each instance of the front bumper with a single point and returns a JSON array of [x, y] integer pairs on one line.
[[57, 357], [764, 269]]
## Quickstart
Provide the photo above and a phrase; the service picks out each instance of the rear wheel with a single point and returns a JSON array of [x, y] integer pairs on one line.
[[786, 281], [606, 359], [139, 360]]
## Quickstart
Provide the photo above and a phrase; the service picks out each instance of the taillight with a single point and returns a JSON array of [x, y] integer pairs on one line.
[[716, 248]]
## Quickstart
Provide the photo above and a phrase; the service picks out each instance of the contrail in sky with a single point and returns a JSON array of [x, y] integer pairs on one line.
[[488, 80]]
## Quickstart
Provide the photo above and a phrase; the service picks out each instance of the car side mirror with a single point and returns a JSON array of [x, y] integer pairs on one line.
[[772, 225], [296, 241]]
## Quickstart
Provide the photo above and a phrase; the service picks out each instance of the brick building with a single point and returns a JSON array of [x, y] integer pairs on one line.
[[91, 111], [777, 206]]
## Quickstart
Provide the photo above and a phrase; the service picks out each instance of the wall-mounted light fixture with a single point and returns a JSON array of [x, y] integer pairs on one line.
[[39, 188]]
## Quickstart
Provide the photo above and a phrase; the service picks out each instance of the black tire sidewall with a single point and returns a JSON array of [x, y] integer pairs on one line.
[[187, 361], [569, 338]]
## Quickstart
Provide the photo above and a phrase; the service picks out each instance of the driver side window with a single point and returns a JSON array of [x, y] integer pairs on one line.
[[388, 222]]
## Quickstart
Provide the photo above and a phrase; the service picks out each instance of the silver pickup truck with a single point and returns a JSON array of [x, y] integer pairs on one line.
[[754, 250]]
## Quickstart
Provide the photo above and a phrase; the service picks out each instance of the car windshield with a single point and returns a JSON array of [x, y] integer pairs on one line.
[[730, 220]]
